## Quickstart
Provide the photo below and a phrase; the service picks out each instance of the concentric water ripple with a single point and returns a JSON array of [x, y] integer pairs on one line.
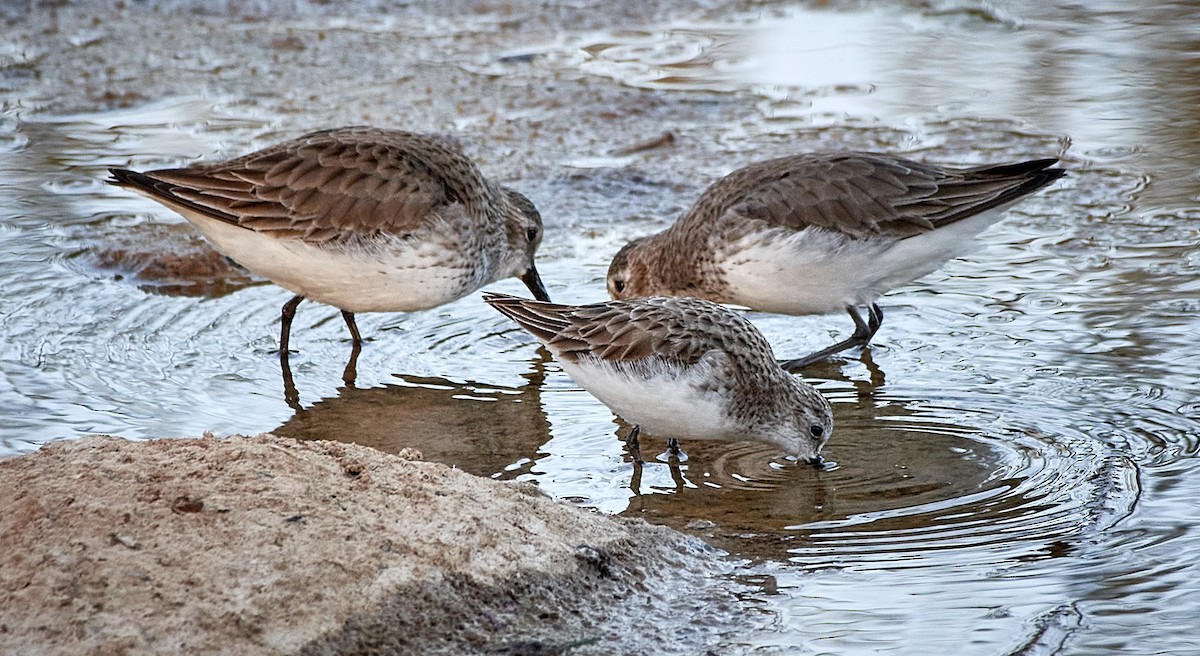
[[910, 480]]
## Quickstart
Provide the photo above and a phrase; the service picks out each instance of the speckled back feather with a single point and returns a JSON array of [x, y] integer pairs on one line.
[[328, 184], [674, 328], [862, 194]]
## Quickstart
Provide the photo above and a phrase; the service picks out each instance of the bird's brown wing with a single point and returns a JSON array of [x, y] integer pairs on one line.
[[864, 194], [325, 184], [680, 330]]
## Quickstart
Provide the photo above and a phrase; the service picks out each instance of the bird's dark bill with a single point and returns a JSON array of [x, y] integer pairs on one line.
[[534, 282]]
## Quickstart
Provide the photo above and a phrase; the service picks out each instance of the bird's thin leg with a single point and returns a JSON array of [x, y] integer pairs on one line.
[[874, 320], [674, 453], [862, 329], [863, 332], [285, 323], [631, 443], [355, 339]]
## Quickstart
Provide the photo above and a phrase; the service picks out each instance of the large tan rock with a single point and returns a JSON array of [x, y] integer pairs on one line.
[[265, 545]]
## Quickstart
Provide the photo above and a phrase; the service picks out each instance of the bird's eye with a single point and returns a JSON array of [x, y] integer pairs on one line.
[[531, 234], [816, 431], [618, 285]]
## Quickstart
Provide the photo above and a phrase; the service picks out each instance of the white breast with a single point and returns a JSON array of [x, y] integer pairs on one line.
[[816, 271], [389, 276], [668, 402], [807, 272]]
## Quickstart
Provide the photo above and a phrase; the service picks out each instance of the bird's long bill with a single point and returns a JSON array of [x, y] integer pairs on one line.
[[534, 282]]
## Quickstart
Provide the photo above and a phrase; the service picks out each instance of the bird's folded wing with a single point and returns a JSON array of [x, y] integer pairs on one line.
[[327, 184]]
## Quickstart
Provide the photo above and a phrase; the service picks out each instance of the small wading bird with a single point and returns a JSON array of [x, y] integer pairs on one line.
[[821, 233], [681, 368], [363, 219]]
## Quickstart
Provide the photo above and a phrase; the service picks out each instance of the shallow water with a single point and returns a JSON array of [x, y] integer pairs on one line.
[[1015, 454]]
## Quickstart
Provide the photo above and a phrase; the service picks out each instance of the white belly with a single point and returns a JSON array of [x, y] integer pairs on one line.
[[817, 272], [667, 404], [392, 276]]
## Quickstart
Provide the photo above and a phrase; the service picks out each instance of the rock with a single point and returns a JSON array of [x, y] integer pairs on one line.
[[266, 545]]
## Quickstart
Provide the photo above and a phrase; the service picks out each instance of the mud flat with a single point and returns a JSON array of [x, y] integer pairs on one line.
[[266, 545]]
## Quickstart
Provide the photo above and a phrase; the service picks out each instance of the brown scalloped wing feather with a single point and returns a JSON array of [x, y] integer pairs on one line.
[[863, 194], [677, 329], [328, 184]]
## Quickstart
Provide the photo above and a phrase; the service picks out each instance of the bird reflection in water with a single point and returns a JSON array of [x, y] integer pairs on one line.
[[890, 454], [483, 429]]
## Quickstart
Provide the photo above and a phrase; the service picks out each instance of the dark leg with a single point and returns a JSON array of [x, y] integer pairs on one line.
[[874, 319], [631, 443], [863, 332], [675, 453], [285, 321], [354, 336]]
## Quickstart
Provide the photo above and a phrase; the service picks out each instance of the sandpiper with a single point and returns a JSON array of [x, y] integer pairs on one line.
[[363, 219], [678, 367], [820, 233]]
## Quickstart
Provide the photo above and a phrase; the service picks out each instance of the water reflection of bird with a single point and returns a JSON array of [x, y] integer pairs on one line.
[[898, 471], [821, 233], [480, 428], [363, 219]]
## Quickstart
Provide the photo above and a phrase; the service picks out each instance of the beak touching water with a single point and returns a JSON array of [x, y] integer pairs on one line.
[[816, 461], [534, 282]]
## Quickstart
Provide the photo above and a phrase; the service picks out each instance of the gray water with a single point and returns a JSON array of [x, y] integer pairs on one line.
[[1016, 452]]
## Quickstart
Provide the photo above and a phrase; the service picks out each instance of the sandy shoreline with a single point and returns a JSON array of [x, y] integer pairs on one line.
[[267, 545]]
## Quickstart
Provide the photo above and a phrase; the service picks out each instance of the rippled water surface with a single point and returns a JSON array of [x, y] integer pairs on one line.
[[1015, 456]]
